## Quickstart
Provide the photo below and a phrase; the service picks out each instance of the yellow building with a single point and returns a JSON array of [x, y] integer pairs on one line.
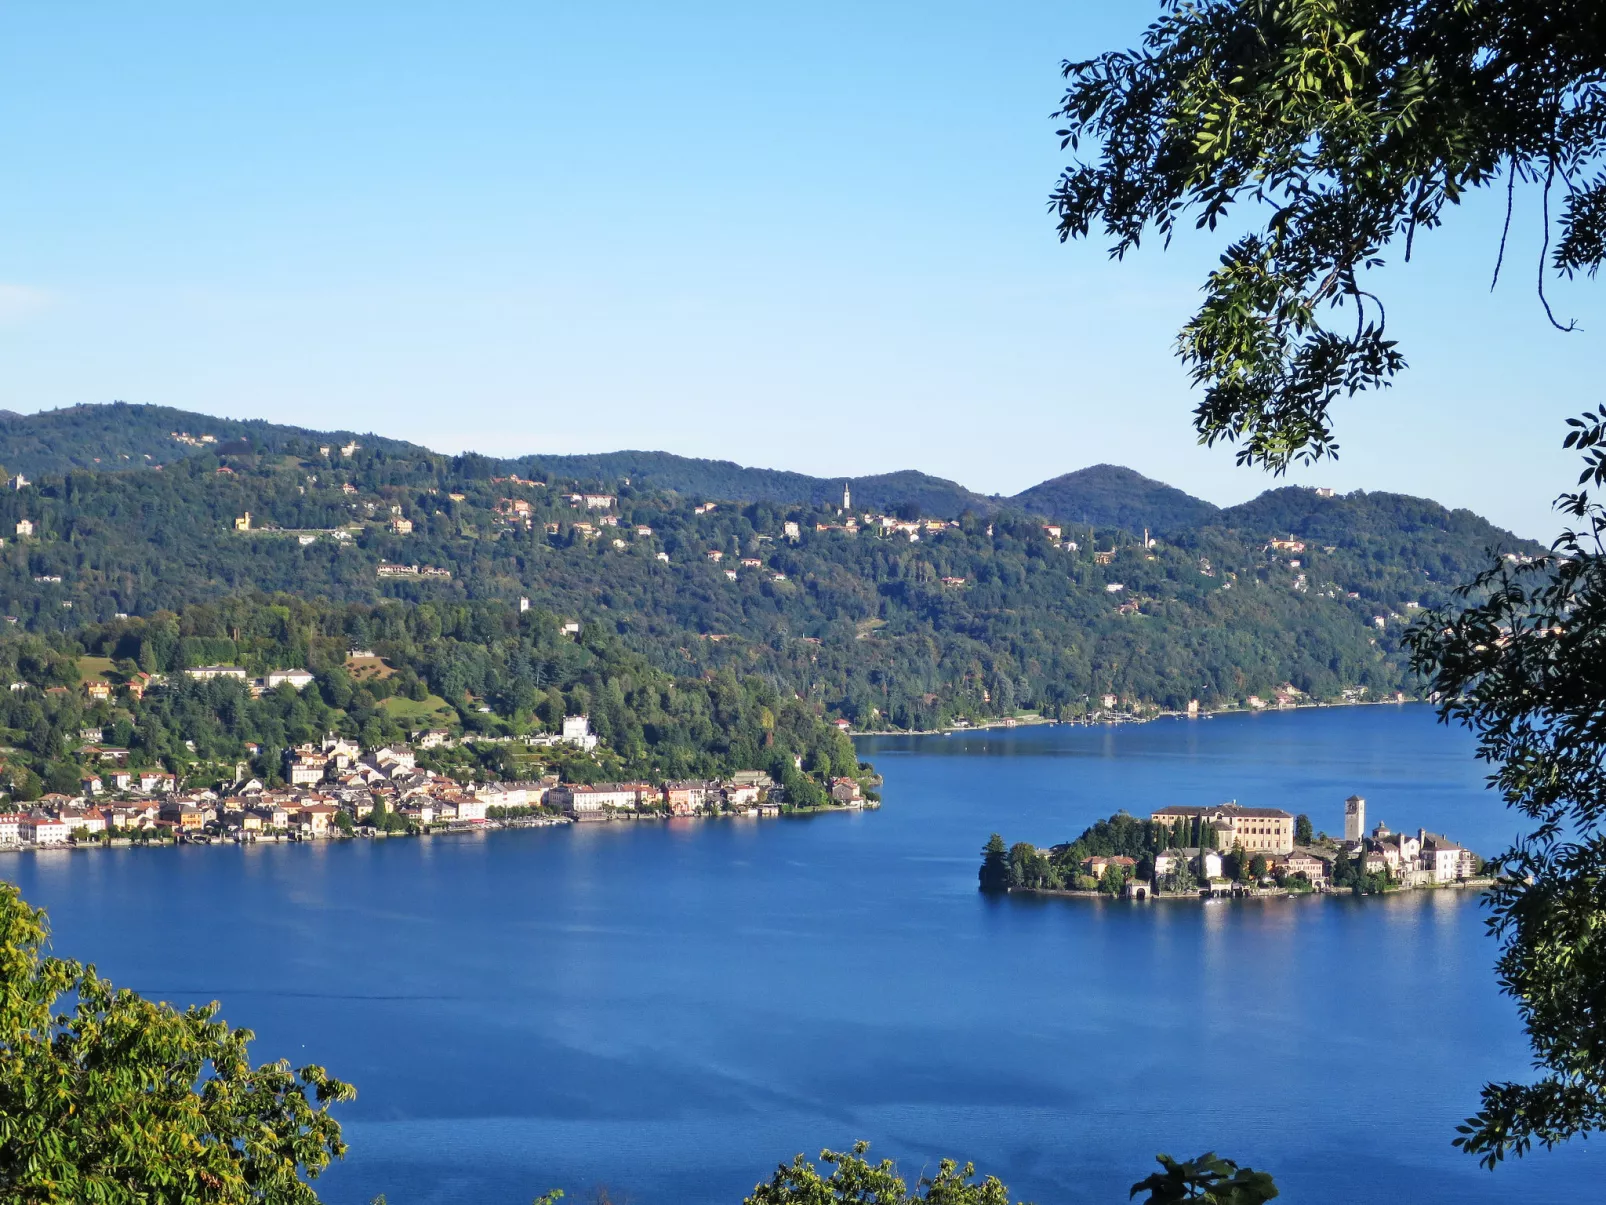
[[1260, 830]]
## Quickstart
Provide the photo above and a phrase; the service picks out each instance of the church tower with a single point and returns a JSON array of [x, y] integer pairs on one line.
[[1354, 818], [847, 498]]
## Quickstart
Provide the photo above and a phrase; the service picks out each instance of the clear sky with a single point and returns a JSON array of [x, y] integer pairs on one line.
[[810, 237]]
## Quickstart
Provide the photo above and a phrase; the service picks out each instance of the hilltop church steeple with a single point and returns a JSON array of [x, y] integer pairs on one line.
[[847, 498]]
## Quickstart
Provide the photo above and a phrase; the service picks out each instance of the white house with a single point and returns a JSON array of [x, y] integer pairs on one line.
[[503, 795], [395, 755], [43, 830], [305, 770], [205, 673], [1441, 857], [298, 678], [577, 731], [596, 797]]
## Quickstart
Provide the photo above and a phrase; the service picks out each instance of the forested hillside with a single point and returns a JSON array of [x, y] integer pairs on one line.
[[1108, 495], [484, 668], [121, 436], [887, 622]]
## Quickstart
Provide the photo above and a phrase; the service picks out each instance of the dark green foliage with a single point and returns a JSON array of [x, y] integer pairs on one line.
[[1348, 130], [1352, 873], [854, 1180], [1029, 868], [1522, 667], [471, 655], [108, 1097], [120, 436], [1206, 1180], [1304, 833], [1235, 866], [864, 625], [1107, 495], [1119, 836], [995, 865], [721, 480]]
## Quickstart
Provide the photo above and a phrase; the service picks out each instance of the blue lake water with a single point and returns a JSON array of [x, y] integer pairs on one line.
[[671, 1009]]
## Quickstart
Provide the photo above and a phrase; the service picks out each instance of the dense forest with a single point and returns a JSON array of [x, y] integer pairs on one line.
[[908, 625], [482, 668]]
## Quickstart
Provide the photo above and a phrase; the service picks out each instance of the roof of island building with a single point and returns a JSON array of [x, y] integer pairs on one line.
[[1225, 810]]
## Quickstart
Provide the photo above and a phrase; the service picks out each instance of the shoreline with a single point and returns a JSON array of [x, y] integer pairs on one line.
[[1115, 721], [453, 830], [1274, 893]]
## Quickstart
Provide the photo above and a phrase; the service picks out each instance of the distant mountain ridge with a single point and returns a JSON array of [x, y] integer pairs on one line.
[[122, 435], [724, 479], [1109, 495]]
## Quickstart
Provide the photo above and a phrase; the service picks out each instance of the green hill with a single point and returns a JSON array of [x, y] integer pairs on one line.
[[889, 626], [724, 479], [121, 436], [1107, 495]]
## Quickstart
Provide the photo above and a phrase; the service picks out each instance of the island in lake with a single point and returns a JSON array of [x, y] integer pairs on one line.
[[1227, 849]]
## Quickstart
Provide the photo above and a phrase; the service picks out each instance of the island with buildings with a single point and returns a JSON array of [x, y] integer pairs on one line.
[[1229, 850]]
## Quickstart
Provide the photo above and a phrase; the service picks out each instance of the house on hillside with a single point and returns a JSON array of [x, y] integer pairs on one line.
[[206, 673]]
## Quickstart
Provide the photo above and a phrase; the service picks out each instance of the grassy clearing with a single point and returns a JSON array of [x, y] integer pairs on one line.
[[422, 713], [91, 668]]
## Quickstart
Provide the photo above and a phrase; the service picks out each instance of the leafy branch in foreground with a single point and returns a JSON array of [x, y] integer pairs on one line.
[[124, 1100], [1525, 668], [854, 1180], [1206, 1180], [1344, 127]]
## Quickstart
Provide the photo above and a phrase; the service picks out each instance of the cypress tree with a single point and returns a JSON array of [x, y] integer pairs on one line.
[[994, 873]]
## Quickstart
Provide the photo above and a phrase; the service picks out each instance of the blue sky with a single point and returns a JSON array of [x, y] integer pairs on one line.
[[810, 237]]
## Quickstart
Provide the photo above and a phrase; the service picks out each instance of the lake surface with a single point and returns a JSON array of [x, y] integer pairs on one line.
[[672, 1009]]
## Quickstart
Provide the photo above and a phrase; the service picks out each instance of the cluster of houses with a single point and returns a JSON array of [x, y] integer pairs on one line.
[[101, 689], [1421, 860], [336, 778]]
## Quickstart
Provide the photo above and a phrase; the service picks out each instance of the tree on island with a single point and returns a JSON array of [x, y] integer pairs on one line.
[[1029, 868], [994, 873], [1113, 880], [1352, 130], [1303, 834]]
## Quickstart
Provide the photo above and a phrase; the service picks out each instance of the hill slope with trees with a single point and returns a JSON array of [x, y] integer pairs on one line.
[[1107, 495], [886, 622]]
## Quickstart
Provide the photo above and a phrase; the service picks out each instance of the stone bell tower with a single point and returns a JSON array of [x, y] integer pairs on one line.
[[1354, 818]]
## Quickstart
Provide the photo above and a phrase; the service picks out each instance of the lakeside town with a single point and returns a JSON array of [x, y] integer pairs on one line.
[[1231, 850], [335, 788]]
